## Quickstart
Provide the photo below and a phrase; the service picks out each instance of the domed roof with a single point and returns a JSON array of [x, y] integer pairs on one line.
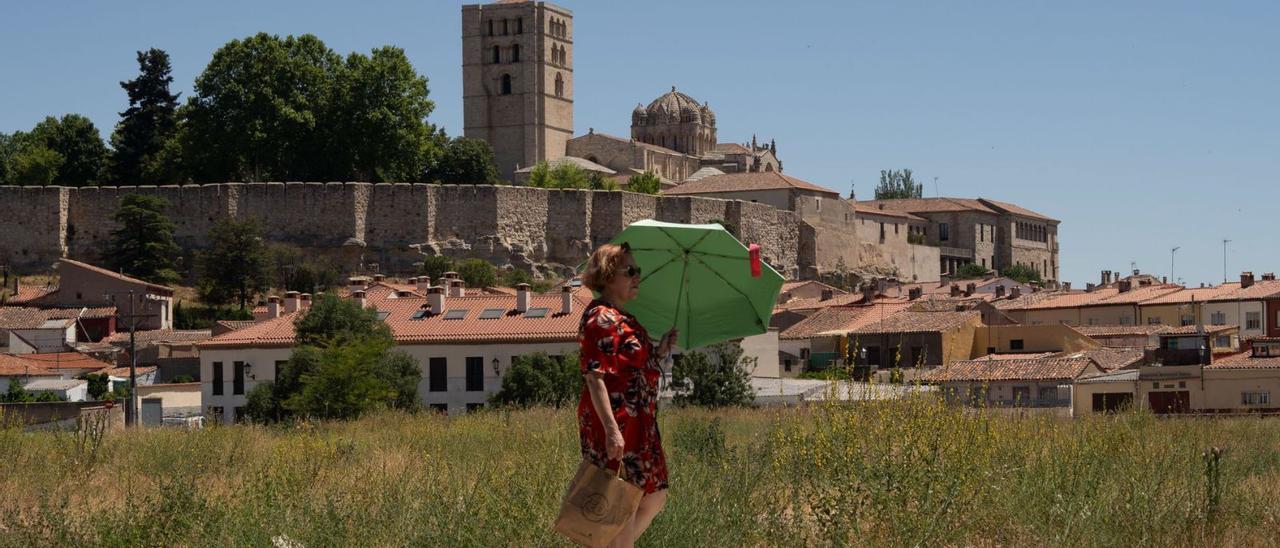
[[673, 104]]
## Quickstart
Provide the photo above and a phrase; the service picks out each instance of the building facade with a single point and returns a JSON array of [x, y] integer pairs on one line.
[[517, 80]]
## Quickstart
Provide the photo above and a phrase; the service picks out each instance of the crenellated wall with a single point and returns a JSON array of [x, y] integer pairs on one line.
[[548, 230]]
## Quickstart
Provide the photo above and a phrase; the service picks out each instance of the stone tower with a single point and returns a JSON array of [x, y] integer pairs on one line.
[[517, 80]]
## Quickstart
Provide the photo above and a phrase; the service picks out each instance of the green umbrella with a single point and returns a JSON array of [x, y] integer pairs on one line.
[[698, 279]]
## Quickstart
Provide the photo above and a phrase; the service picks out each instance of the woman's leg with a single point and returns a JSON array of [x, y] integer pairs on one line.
[[650, 505]]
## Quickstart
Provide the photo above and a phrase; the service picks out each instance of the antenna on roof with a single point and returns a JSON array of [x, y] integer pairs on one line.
[[935, 188]]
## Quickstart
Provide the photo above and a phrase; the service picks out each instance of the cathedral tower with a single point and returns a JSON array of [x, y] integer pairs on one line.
[[517, 80]]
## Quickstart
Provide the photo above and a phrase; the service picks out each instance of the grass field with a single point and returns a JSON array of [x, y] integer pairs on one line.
[[887, 473]]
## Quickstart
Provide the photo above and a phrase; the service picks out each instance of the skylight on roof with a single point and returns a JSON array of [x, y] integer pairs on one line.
[[492, 313], [421, 314], [456, 314], [382, 315], [539, 312]]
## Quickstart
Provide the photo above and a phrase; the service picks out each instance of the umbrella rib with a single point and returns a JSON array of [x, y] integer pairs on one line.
[[726, 281], [659, 267]]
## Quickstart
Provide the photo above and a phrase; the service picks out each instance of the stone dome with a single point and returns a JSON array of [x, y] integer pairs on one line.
[[673, 107]]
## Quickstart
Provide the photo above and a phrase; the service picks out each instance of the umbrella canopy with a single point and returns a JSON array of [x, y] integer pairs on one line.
[[697, 278]]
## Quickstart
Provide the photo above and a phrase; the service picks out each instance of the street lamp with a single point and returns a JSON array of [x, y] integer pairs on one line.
[[496, 367]]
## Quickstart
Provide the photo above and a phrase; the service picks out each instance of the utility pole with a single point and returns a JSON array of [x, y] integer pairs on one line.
[[131, 412], [1171, 253], [1224, 259]]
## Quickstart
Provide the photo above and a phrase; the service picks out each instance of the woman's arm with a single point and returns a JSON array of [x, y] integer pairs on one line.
[[600, 400]]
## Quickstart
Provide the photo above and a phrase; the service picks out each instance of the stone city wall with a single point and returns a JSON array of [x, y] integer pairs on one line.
[[546, 230]]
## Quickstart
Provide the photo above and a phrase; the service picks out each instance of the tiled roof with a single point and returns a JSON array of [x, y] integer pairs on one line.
[[124, 371], [116, 275], [911, 321], [1062, 299], [13, 366], [232, 325], [26, 317], [272, 333], [149, 337], [1245, 360], [731, 148], [66, 360], [1137, 295], [582, 163], [863, 209], [28, 293], [1109, 359], [814, 303], [54, 384], [1015, 356], [1259, 290], [794, 284], [503, 324], [1196, 294], [929, 205], [1120, 330], [742, 182], [1014, 209], [648, 146], [1029, 299], [827, 319], [1194, 329], [1037, 369]]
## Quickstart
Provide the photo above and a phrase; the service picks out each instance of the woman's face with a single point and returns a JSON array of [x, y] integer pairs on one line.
[[623, 286]]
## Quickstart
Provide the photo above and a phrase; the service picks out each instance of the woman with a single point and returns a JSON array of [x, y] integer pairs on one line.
[[617, 415]]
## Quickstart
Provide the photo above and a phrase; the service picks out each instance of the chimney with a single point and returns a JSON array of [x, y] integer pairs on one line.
[[522, 297], [290, 302], [1164, 280], [450, 275], [357, 281], [1106, 277], [1269, 277], [273, 307], [1066, 286], [827, 294], [1015, 292], [955, 290], [423, 283], [1088, 288], [868, 293], [358, 297], [1125, 286], [304, 301], [435, 299], [378, 278], [455, 288], [969, 289], [915, 293], [999, 291], [566, 300], [1136, 272], [1246, 279]]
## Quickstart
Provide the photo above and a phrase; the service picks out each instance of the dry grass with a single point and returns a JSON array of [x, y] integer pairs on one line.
[[890, 473]]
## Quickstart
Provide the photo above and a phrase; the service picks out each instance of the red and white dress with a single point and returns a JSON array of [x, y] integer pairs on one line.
[[614, 344]]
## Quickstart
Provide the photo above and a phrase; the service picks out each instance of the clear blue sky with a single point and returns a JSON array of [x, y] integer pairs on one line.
[[1141, 125]]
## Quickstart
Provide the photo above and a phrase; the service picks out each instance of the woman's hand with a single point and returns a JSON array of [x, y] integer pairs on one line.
[[614, 444], [668, 340]]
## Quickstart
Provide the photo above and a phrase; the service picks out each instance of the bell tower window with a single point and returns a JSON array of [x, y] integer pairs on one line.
[[506, 84], [515, 53], [559, 85], [497, 54]]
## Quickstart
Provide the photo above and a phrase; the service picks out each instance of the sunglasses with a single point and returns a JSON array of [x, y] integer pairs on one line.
[[633, 272]]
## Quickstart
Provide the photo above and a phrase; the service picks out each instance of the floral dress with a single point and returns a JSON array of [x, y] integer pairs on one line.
[[614, 344]]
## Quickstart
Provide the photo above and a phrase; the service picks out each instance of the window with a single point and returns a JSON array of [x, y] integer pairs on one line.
[[881, 232], [504, 27], [237, 378], [440, 408], [1126, 320], [1155, 385], [420, 314], [519, 25], [786, 365], [280, 365], [215, 413], [984, 262], [944, 232], [895, 227], [238, 415], [917, 356], [1222, 341], [1255, 398], [1153, 320], [492, 313], [217, 378], [1182, 384], [506, 84], [1016, 344], [475, 374], [474, 407], [1218, 318], [1188, 319], [437, 368], [497, 54], [456, 314], [982, 233], [1048, 393], [515, 53], [559, 85], [1253, 320], [537, 312]]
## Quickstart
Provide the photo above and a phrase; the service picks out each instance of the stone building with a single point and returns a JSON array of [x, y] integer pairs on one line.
[[517, 80], [991, 234]]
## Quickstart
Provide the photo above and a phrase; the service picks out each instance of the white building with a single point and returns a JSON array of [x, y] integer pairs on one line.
[[67, 389], [463, 343]]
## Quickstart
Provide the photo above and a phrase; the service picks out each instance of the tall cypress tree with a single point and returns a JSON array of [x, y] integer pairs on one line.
[[143, 246], [148, 123]]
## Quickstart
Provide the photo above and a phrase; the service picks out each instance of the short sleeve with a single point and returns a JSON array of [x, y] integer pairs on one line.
[[600, 336]]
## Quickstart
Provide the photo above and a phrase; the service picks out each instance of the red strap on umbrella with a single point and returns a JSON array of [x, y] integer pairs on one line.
[[754, 251]]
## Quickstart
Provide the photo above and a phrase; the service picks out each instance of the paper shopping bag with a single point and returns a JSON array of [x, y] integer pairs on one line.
[[598, 505]]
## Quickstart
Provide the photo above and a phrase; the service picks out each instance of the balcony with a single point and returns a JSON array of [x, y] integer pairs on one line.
[[1176, 356], [955, 252]]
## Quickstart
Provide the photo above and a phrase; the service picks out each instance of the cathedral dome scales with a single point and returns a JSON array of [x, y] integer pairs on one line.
[[675, 106]]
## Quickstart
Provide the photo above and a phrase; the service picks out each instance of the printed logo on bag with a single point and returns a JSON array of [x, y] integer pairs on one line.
[[595, 507]]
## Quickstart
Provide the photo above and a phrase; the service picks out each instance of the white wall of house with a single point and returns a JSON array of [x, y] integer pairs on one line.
[[1238, 313], [41, 339], [764, 349], [455, 398], [261, 368]]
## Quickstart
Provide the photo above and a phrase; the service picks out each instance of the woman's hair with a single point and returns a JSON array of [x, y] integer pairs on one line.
[[604, 264]]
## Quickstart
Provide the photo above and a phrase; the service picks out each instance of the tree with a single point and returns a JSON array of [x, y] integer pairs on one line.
[[78, 142], [334, 321], [34, 166], [294, 270], [644, 183], [1022, 274], [434, 266], [971, 270], [143, 246], [149, 124], [16, 393], [477, 273], [464, 161], [564, 175], [719, 381], [379, 112], [234, 268], [99, 385], [8, 146], [539, 379], [897, 185]]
